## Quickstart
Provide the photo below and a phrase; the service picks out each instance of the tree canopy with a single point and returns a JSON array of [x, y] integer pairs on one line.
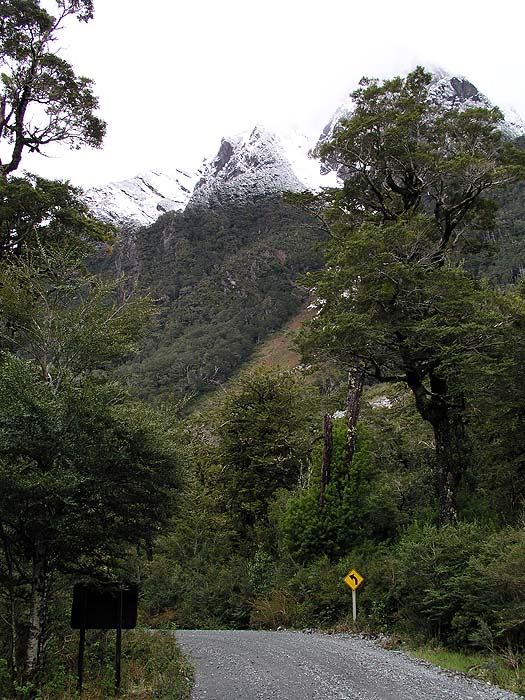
[[35, 211], [84, 470], [42, 100], [394, 297]]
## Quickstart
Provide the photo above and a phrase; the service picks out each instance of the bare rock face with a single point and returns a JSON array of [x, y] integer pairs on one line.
[[246, 166], [458, 92]]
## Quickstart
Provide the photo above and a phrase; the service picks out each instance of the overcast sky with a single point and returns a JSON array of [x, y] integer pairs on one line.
[[174, 76]]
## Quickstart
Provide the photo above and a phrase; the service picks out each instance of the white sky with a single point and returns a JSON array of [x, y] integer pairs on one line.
[[174, 76]]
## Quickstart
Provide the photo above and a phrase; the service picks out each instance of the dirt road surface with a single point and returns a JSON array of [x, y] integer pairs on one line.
[[248, 665]]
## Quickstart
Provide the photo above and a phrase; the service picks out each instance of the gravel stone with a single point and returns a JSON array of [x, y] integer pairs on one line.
[[284, 665]]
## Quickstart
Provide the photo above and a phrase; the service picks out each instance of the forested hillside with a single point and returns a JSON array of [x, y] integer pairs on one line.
[[225, 278], [222, 280]]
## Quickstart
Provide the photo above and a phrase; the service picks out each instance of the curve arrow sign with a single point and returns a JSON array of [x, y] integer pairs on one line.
[[353, 579]]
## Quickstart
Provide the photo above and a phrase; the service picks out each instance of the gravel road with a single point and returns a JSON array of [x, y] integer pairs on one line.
[[249, 665]]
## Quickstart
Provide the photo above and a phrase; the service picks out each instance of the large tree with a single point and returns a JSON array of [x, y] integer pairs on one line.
[[396, 302], [263, 427], [42, 100], [83, 470]]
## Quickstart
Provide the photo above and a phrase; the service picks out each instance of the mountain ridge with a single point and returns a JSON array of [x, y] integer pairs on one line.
[[257, 162]]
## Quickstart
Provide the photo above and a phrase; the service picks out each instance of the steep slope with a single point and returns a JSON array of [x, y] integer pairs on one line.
[[223, 279], [224, 269]]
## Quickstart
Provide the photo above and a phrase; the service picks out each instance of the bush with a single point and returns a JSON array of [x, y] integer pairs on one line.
[[153, 668], [461, 584], [359, 505]]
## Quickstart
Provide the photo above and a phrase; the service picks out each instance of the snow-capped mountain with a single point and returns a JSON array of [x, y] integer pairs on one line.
[[253, 163], [141, 200], [257, 162], [457, 91]]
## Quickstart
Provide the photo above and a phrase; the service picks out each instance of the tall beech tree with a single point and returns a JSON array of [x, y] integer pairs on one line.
[[42, 100], [396, 302], [264, 440]]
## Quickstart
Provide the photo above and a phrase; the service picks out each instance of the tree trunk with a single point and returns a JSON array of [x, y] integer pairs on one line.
[[353, 404], [446, 416], [37, 613], [327, 457], [449, 435]]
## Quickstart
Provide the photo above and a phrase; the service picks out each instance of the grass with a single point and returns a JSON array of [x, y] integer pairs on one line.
[[278, 350], [502, 669], [153, 668]]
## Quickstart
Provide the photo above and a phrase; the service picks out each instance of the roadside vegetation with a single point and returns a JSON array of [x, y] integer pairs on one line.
[[396, 447], [153, 668], [500, 669]]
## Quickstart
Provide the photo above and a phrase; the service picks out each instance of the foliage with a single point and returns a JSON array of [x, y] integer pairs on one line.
[[59, 316], [462, 584], [239, 455], [35, 211], [502, 669], [395, 299], [264, 441], [223, 280], [359, 505], [402, 151], [42, 101], [153, 668], [84, 471]]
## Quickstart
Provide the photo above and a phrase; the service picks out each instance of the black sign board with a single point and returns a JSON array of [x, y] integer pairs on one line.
[[104, 607]]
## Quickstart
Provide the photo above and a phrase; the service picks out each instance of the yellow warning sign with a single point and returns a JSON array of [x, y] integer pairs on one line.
[[353, 579]]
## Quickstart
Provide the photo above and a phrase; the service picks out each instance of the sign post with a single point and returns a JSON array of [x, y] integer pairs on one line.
[[118, 644], [103, 607], [353, 579]]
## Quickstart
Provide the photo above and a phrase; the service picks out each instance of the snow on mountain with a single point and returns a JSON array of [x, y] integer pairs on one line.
[[254, 163], [257, 162], [298, 149], [141, 200], [457, 91]]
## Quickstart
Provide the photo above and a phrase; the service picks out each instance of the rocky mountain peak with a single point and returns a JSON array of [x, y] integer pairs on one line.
[[255, 163], [247, 165]]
